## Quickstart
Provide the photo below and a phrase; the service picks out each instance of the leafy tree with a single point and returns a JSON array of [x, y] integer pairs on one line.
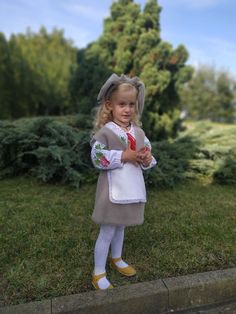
[[226, 92], [5, 78], [51, 59], [131, 44], [209, 95], [23, 82], [36, 74], [85, 83]]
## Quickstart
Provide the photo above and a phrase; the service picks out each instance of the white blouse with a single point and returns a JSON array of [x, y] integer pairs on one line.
[[105, 159]]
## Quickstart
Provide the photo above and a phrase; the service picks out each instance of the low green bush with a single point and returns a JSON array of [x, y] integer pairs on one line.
[[47, 149], [226, 173], [57, 150], [202, 150]]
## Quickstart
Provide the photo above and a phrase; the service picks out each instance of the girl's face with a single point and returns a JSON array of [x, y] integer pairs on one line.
[[123, 104]]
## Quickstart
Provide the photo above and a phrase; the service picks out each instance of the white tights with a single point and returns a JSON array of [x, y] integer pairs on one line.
[[109, 235]]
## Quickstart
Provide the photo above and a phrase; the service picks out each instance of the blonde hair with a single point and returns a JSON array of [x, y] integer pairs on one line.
[[104, 115]]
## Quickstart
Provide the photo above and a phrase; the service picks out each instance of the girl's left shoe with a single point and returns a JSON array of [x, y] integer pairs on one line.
[[126, 271]]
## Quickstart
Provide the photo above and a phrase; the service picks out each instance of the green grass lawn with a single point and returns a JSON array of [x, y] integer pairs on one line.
[[47, 237]]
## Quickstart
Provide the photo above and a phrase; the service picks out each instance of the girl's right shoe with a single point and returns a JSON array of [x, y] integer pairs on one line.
[[95, 281]]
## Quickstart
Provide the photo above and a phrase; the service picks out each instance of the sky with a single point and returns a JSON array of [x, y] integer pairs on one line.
[[207, 28]]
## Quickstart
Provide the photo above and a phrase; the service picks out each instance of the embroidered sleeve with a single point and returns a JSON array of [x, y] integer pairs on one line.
[[148, 146], [105, 159]]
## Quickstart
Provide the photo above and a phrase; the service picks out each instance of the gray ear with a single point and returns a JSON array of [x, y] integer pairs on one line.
[[141, 97], [111, 80], [141, 92]]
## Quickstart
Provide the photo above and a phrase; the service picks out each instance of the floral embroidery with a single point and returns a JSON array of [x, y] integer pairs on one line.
[[98, 146], [104, 162], [100, 158], [123, 139]]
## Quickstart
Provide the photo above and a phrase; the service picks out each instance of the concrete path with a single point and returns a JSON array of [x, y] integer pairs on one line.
[[194, 293], [228, 308]]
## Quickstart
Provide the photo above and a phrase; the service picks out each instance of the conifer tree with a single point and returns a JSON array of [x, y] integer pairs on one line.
[[131, 44]]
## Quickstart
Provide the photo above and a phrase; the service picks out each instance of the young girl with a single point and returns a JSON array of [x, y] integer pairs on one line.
[[120, 150]]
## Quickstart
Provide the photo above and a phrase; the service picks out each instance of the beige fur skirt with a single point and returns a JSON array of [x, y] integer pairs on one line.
[[106, 212]]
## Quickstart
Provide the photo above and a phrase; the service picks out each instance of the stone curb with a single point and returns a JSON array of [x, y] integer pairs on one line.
[[167, 295]]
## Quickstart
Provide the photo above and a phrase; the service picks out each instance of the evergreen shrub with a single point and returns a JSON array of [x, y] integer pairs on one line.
[[58, 150], [47, 149]]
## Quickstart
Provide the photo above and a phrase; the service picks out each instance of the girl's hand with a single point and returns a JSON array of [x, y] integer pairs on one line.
[[144, 157], [129, 155]]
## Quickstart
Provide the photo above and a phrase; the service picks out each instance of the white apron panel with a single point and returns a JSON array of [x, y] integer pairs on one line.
[[126, 184]]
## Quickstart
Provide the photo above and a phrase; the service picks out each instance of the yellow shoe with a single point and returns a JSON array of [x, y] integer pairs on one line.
[[95, 279], [127, 271]]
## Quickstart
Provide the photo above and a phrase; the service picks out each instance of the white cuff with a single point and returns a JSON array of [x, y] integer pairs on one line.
[[152, 164]]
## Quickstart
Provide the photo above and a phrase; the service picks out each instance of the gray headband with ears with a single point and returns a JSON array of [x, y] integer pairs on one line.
[[115, 80]]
